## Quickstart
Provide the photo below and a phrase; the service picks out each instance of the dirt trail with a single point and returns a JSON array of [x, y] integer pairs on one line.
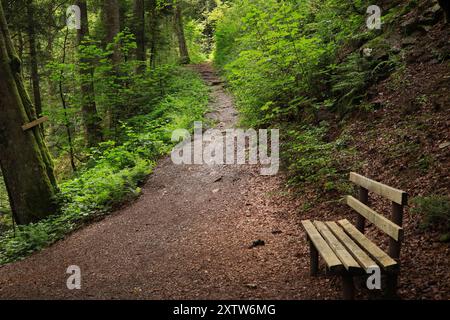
[[186, 237]]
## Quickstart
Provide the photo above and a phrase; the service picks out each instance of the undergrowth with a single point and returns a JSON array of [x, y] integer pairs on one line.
[[296, 64], [115, 169], [435, 213], [314, 161]]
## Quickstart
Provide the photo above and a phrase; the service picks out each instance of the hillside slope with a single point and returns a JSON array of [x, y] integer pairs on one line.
[[379, 105], [403, 142]]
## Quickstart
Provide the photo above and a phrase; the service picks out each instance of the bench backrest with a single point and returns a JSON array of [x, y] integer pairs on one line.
[[392, 227]]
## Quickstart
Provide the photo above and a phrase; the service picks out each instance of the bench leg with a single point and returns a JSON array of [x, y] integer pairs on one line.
[[391, 286], [314, 259], [348, 287]]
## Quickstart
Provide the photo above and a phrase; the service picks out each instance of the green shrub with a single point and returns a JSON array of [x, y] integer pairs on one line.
[[194, 33], [435, 212], [279, 55], [290, 62], [349, 82], [311, 159], [115, 169]]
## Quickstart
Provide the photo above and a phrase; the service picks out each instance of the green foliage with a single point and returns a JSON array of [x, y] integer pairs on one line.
[[435, 212], [115, 168], [350, 79], [312, 160], [114, 177], [195, 39], [4, 203], [120, 94], [119, 89], [279, 55], [5, 210], [227, 21], [310, 156], [288, 62]]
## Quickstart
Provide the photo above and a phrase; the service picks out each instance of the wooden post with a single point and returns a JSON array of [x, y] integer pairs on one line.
[[394, 250], [314, 258], [397, 218], [391, 286], [364, 198], [348, 286]]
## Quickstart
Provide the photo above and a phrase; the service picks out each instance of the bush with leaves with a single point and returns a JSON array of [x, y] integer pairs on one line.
[[312, 160], [279, 55], [289, 62], [435, 212]]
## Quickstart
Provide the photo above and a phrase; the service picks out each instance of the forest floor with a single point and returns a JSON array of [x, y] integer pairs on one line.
[[188, 236]]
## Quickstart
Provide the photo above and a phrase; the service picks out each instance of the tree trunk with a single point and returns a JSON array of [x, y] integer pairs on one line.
[[139, 32], [179, 30], [64, 105], [33, 58], [111, 22], [111, 16], [153, 32], [49, 49], [91, 120], [24, 157]]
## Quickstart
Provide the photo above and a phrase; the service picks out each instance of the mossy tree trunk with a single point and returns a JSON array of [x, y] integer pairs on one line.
[[24, 158], [91, 119]]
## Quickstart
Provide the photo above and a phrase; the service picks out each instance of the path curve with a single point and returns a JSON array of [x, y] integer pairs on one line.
[[186, 237]]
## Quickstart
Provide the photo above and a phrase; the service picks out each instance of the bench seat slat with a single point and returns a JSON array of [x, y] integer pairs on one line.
[[383, 259], [363, 259], [383, 223], [322, 247], [349, 263]]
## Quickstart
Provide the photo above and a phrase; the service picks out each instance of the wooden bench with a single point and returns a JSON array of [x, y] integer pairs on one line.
[[345, 249]]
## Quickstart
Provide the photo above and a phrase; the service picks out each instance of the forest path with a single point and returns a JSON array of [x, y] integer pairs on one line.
[[186, 237]]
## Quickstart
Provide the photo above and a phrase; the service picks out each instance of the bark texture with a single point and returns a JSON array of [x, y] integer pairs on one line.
[[24, 157], [139, 32], [91, 120], [111, 22]]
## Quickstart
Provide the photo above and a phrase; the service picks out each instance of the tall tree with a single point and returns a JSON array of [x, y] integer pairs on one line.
[[139, 32], [153, 21], [33, 56], [91, 120], [179, 30], [24, 157], [64, 104], [111, 23]]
